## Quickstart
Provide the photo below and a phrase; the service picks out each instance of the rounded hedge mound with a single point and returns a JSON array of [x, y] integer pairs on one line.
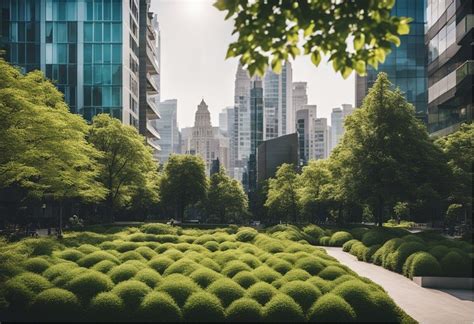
[[388, 247], [369, 252], [281, 266], [266, 274], [244, 310], [178, 287], [18, 295], [375, 236], [88, 248], [146, 252], [203, 307], [296, 274], [358, 249], [55, 304], [245, 279], [204, 277], [173, 254], [331, 308], [332, 272], [95, 257], [122, 272], [159, 307], [342, 279], [439, 251], [234, 267], [346, 247], [70, 255], [262, 292], [157, 228], [132, 255], [32, 281], [160, 263], [89, 284], [454, 264], [148, 276], [280, 282], [422, 264], [385, 309], [246, 235], [251, 260], [339, 238], [282, 308], [357, 294], [315, 232], [323, 285], [311, 265], [211, 246], [226, 290], [324, 240], [36, 265], [210, 264], [303, 293], [224, 246], [127, 246], [104, 266], [131, 292], [412, 238], [358, 232], [183, 266], [106, 306], [57, 270], [395, 260]]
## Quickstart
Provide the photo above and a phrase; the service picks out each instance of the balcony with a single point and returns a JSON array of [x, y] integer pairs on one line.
[[464, 27], [152, 63], [151, 131], [451, 81], [465, 70], [151, 88], [153, 143], [152, 111]]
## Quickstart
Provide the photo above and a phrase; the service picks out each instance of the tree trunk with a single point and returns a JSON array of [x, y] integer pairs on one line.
[[379, 216], [60, 228]]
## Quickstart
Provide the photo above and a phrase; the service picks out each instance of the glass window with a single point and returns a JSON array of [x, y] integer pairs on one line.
[[49, 10], [116, 53], [71, 10], [30, 54], [451, 34], [87, 74], [21, 32], [117, 32], [98, 32], [117, 74], [72, 32], [107, 9], [98, 53], [49, 32], [72, 74], [97, 96], [62, 76], [61, 31], [117, 10], [116, 96], [87, 96], [49, 53], [72, 53], [88, 32], [106, 75], [106, 96], [89, 10], [106, 27], [107, 55], [61, 5], [62, 53], [97, 9], [97, 74], [87, 53]]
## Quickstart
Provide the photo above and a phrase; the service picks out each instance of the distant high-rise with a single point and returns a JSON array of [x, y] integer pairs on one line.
[[337, 123], [319, 142], [305, 117], [227, 127], [256, 131], [300, 96], [168, 128], [278, 102]]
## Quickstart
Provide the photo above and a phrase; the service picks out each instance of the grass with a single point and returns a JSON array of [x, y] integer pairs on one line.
[[160, 273]]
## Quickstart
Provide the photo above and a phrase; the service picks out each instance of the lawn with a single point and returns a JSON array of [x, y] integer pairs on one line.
[[162, 273]]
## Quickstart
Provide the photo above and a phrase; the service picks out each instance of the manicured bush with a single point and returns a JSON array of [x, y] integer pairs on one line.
[[303, 293], [324, 240], [95, 257], [146, 252], [323, 285], [204, 276], [454, 264], [226, 290], [127, 246], [131, 292], [281, 266], [332, 272], [282, 308], [18, 295], [159, 307], [357, 294], [104, 266], [183, 266], [106, 306], [132, 255], [89, 284], [107, 245], [149, 277], [297, 274], [55, 304], [211, 246], [412, 238], [244, 310], [36, 265], [246, 235], [339, 238], [251, 260], [88, 248], [41, 246], [331, 308], [234, 267], [375, 236], [245, 279], [385, 309], [395, 260], [32, 281], [369, 252], [70, 255], [224, 246], [173, 254], [157, 228], [291, 258], [266, 274], [423, 264], [346, 247], [160, 263], [122, 272], [358, 249], [279, 283], [262, 292], [439, 251], [203, 307], [204, 238], [178, 287], [315, 232], [311, 265], [379, 257], [358, 232], [58, 269], [210, 264]]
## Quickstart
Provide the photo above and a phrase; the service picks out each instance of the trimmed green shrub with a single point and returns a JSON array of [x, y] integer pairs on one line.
[[358, 232], [291, 258], [160, 263], [95, 257], [244, 310], [157, 228], [234, 267], [303, 293], [132, 255], [204, 277], [454, 264], [324, 240], [89, 284], [331, 308], [203, 307], [32, 281], [245, 279], [88, 248], [369, 252], [17, 294], [41, 246], [136, 263], [346, 247], [315, 232], [310, 264], [70, 255], [127, 246], [203, 239], [106, 306], [262, 292], [122, 272], [280, 282], [183, 266], [395, 260], [385, 309], [224, 246], [332, 272], [131, 292], [159, 307], [439, 251], [339, 238], [173, 254], [58, 269], [296, 274], [266, 274], [423, 264], [149, 277], [224, 257], [104, 266], [36, 265], [375, 236], [210, 264], [281, 266], [246, 235], [55, 304], [178, 287], [412, 238], [282, 308], [357, 294], [226, 290], [107, 245], [251, 260], [358, 249], [388, 247], [211, 246], [146, 252]]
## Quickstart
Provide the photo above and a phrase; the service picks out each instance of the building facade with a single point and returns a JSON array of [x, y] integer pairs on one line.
[[449, 39], [406, 64], [319, 141], [337, 123], [168, 128], [300, 95], [256, 131], [305, 117]]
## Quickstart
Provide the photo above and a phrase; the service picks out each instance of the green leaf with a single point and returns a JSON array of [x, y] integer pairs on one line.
[[276, 65], [380, 54], [360, 67], [309, 30], [230, 53], [359, 41], [346, 71], [220, 4], [316, 57], [393, 39], [403, 28]]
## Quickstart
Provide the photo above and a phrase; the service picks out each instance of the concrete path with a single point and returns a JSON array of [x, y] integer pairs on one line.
[[423, 304]]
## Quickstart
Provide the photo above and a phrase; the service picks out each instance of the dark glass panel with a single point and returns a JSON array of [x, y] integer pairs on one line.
[[107, 53], [106, 27], [87, 74], [21, 53], [61, 10], [117, 10], [116, 32], [49, 32], [106, 75], [87, 53], [72, 53], [98, 32], [117, 74], [72, 74], [87, 96], [61, 31], [72, 32], [21, 32], [62, 53], [62, 77], [107, 9], [116, 96], [116, 53], [97, 9], [88, 32], [89, 10], [97, 96], [97, 74], [97, 53]]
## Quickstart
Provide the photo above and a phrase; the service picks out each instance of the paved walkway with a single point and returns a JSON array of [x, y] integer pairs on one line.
[[423, 304]]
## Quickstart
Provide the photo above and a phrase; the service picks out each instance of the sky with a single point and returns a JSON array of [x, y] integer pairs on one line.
[[194, 41]]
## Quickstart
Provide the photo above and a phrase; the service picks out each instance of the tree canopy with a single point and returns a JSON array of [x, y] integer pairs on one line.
[[269, 32]]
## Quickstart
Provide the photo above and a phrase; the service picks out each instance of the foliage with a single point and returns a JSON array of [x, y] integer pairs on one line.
[[178, 287], [36, 265], [106, 306], [282, 308], [159, 307], [89, 284], [246, 235], [245, 279], [131, 292], [203, 307], [244, 310], [401, 210], [55, 304], [339, 238], [271, 32], [282, 200], [261, 292], [204, 277], [331, 308], [226, 290], [302, 293], [422, 264]]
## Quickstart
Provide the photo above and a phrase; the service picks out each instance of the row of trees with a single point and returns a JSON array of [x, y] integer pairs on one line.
[[385, 164], [51, 155]]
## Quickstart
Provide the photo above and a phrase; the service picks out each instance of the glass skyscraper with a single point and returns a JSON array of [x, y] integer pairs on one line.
[[406, 64]]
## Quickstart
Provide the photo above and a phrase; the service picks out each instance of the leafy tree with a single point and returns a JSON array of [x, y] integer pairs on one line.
[[43, 146], [314, 180], [386, 154], [184, 182], [282, 200], [128, 167], [401, 210], [271, 31], [226, 198], [458, 149], [453, 214]]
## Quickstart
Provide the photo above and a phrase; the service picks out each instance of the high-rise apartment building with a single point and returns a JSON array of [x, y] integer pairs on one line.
[[89, 49], [300, 95], [256, 131], [227, 127], [168, 128], [305, 119], [337, 123], [406, 64], [319, 141], [449, 39]]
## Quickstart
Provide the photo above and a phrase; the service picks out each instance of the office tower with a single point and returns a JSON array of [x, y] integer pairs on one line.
[[319, 141], [88, 48], [449, 39], [168, 128], [300, 96], [223, 120], [305, 123], [337, 123], [186, 134], [256, 131], [278, 102], [227, 127], [406, 64]]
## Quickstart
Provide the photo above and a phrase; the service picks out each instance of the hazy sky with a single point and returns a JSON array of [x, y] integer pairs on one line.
[[194, 41]]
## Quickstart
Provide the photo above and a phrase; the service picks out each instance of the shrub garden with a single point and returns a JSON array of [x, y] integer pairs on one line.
[[162, 273]]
